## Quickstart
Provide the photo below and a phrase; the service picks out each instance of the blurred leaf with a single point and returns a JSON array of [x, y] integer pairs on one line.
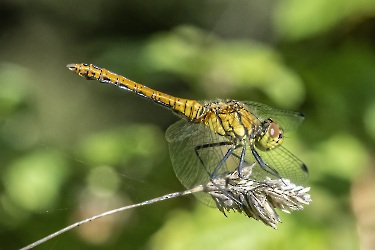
[[222, 67], [13, 90], [122, 146], [369, 120], [295, 20], [103, 180], [20, 131], [342, 156], [207, 228], [33, 181], [179, 51], [249, 64]]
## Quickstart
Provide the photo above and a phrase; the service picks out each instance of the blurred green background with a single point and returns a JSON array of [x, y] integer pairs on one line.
[[71, 148]]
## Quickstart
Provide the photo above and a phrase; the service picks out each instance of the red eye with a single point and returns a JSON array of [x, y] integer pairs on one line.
[[274, 130]]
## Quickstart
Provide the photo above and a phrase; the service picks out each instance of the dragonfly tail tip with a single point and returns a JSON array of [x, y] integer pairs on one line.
[[71, 66]]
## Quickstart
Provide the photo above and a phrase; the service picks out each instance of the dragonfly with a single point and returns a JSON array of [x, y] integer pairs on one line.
[[215, 138]]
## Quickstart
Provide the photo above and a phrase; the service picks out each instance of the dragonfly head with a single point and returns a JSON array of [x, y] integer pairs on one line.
[[270, 137]]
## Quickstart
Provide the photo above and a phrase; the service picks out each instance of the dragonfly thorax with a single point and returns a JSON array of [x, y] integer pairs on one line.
[[231, 119], [270, 136]]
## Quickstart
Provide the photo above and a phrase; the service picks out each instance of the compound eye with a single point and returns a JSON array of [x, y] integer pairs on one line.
[[274, 130]]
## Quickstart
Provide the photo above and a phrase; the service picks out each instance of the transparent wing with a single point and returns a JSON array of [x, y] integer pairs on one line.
[[285, 163], [287, 120], [195, 152]]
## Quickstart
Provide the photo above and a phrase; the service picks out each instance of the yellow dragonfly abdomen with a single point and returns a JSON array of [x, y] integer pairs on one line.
[[191, 109]]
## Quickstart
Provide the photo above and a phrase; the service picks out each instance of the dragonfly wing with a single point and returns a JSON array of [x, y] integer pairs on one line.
[[285, 163], [287, 120], [195, 152]]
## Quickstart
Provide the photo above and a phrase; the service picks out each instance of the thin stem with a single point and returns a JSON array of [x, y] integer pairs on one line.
[[164, 197]]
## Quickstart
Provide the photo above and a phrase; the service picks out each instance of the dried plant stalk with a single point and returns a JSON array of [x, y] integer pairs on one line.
[[232, 193]]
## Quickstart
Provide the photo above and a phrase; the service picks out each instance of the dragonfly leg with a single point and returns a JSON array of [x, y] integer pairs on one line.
[[229, 152], [209, 145], [240, 165], [240, 170], [214, 173], [264, 165], [242, 160]]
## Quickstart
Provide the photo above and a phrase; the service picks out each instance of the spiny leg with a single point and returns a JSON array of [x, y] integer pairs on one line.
[[264, 165], [242, 158], [210, 145], [214, 173], [217, 168], [242, 161]]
